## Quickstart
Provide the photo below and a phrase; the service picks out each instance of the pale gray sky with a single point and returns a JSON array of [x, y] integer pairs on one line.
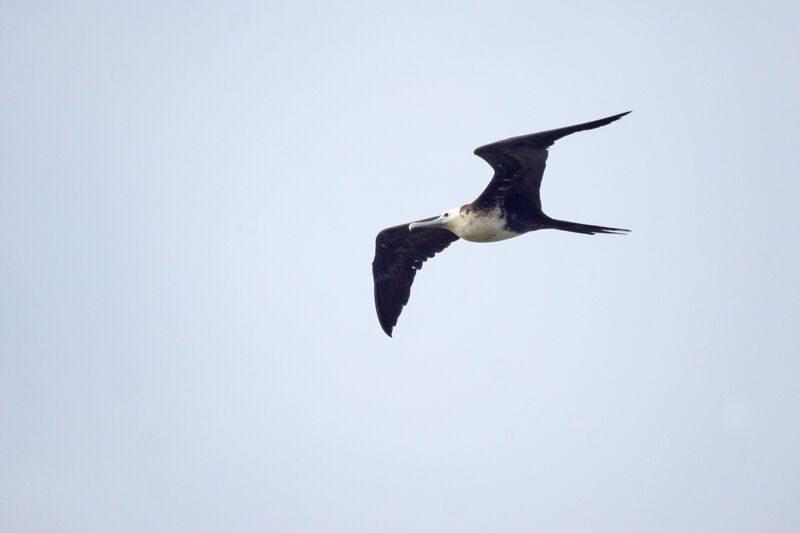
[[189, 197]]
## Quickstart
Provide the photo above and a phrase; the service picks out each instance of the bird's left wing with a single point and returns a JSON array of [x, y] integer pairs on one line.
[[399, 253], [519, 164], [518, 175]]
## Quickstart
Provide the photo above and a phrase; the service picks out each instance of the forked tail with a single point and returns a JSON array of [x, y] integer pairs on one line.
[[587, 229]]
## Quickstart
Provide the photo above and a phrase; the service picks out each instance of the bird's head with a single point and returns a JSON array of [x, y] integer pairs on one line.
[[447, 220]]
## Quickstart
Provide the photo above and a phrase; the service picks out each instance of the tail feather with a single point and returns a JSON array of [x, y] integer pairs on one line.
[[587, 229]]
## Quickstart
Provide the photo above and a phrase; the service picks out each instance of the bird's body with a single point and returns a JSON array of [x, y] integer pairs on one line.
[[509, 206], [480, 226]]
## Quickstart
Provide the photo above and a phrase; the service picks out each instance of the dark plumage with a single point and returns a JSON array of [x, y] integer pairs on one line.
[[399, 253], [509, 206]]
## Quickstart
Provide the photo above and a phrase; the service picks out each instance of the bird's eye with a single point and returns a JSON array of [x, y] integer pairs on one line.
[[446, 214]]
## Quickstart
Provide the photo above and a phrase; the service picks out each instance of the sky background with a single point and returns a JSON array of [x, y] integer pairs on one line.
[[189, 196]]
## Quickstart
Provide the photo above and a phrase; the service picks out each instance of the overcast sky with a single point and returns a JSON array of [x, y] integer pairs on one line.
[[189, 196]]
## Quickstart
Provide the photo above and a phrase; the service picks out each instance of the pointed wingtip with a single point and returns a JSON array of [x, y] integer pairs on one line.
[[615, 231], [619, 116], [545, 139], [387, 328]]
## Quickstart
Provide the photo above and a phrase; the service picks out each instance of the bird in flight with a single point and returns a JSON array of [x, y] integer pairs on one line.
[[508, 207]]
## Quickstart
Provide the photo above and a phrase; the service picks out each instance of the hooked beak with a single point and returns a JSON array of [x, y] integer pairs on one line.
[[431, 223]]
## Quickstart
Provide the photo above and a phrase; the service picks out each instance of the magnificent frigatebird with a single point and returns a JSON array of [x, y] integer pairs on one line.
[[508, 207]]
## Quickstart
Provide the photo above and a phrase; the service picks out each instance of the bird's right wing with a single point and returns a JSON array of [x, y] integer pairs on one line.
[[399, 253]]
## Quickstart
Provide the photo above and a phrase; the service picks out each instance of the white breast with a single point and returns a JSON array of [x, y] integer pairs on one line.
[[484, 227]]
